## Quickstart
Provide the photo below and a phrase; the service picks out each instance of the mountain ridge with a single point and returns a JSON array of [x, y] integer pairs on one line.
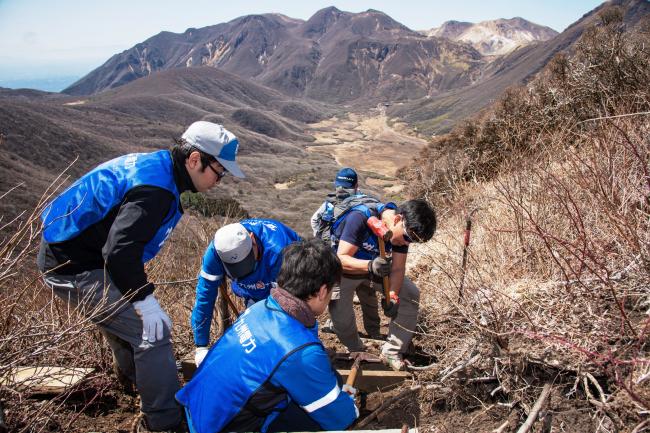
[[326, 57], [494, 37]]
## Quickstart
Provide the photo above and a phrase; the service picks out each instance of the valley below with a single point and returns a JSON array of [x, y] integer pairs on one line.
[[371, 143]]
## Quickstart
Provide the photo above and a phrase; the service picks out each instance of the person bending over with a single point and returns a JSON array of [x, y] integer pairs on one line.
[[250, 254]]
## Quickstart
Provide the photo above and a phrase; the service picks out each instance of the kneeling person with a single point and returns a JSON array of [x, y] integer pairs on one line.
[[269, 371], [250, 253]]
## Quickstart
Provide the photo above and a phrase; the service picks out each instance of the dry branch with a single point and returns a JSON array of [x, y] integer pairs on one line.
[[385, 405], [532, 415]]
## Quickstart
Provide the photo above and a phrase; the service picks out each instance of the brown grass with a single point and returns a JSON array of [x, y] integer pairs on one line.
[[557, 180]]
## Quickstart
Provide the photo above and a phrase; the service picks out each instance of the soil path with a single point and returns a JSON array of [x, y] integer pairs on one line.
[[370, 143]]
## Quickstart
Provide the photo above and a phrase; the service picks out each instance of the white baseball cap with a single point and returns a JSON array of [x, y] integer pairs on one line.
[[217, 141], [235, 249]]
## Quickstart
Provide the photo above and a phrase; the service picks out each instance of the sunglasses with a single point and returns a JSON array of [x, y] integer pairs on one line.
[[220, 175]]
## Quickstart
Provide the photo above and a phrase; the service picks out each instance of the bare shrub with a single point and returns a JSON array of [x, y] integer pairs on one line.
[[556, 290], [35, 328]]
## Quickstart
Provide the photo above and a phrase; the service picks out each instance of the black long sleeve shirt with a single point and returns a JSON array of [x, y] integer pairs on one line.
[[117, 242]]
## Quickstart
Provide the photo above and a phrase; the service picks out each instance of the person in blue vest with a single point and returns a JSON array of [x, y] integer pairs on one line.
[[358, 249], [97, 236], [269, 371], [250, 254]]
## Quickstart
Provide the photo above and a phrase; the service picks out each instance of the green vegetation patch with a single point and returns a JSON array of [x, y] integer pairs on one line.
[[210, 207]]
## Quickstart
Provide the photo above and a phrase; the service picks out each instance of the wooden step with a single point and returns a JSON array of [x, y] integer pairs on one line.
[[373, 380], [368, 380], [45, 379]]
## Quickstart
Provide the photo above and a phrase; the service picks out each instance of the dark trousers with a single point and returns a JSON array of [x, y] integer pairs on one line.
[[294, 418], [151, 366]]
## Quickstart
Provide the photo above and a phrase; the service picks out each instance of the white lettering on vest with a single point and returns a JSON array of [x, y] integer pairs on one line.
[[245, 335], [129, 161]]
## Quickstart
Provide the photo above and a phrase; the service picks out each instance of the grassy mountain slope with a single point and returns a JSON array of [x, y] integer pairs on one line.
[[555, 181], [43, 133]]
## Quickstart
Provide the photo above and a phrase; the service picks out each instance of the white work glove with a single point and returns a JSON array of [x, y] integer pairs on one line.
[[153, 318], [199, 354], [352, 391]]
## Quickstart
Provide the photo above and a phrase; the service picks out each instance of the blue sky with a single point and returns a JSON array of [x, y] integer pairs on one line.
[[50, 38]]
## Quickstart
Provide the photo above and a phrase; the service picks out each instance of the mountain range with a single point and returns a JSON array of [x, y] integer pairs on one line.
[[268, 77], [334, 56]]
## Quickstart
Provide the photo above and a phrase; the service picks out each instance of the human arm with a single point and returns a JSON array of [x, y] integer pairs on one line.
[[353, 236], [351, 265], [207, 290], [315, 218], [308, 377], [139, 217]]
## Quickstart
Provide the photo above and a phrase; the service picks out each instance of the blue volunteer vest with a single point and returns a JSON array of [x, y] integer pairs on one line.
[[370, 248], [239, 363], [89, 199], [272, 237]]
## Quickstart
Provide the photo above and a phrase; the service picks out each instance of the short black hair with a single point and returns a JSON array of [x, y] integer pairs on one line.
[[181, 150], [419, 219], [306, 266]]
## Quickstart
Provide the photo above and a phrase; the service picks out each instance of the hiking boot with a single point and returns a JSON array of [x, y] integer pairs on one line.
[[394, 361]]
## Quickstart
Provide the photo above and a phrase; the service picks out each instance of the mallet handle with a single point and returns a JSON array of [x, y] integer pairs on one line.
[[223, 289], [382, 253], [353, 372]]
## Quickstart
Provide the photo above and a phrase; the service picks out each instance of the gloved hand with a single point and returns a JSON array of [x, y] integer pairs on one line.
[[391, 306], [352, 391], [379, 266], [365, 356], [153, 318], [199, 354]]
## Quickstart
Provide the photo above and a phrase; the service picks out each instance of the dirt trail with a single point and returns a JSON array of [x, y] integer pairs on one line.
[[368, 142]]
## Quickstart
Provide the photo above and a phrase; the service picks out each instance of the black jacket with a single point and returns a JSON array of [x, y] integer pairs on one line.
[[116, 243]]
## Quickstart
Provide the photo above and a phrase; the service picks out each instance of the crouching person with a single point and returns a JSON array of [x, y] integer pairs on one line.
[[269, 371], [250, 254]]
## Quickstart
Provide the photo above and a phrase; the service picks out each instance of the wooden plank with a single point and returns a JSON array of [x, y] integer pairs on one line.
[[367, 380], [371, 380], [46, 379]]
